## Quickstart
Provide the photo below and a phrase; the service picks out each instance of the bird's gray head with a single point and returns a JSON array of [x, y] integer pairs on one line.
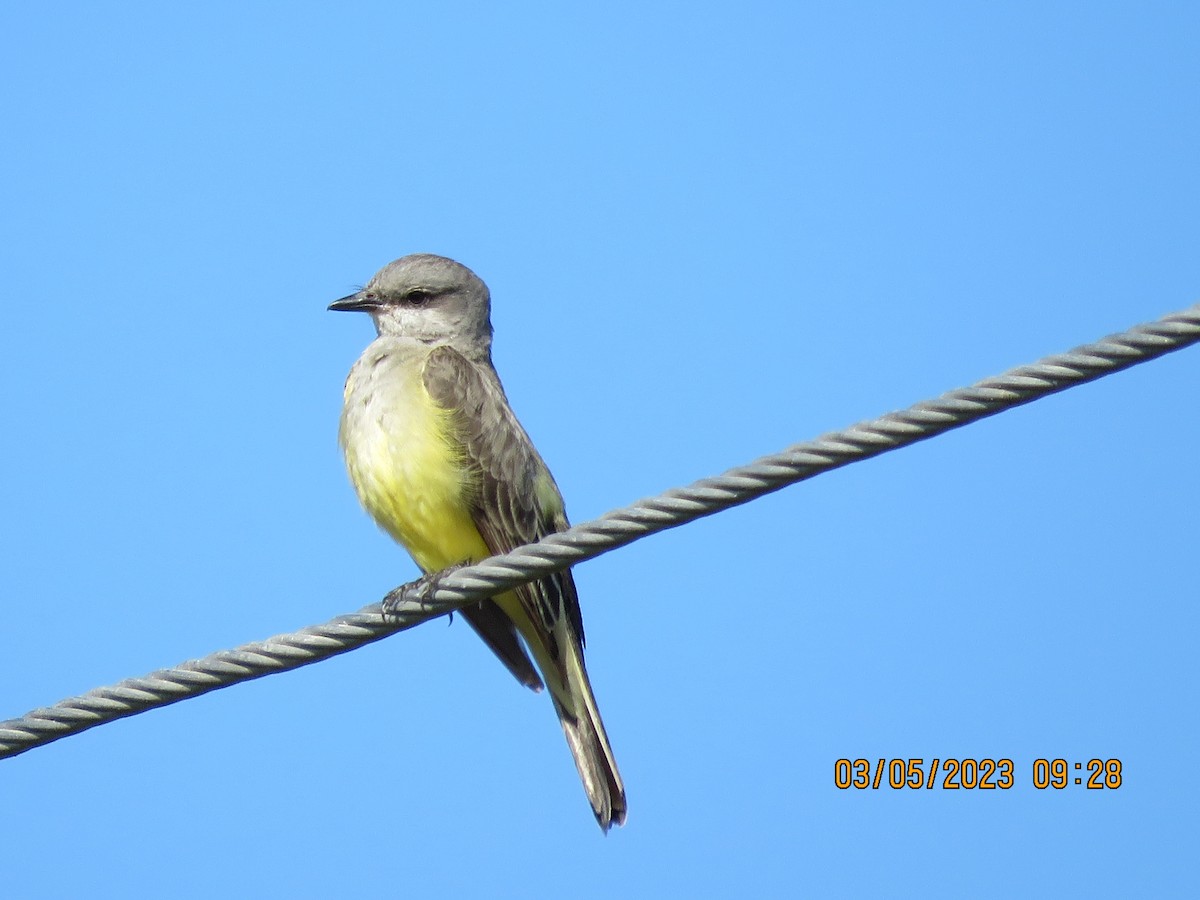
[[430, 299]]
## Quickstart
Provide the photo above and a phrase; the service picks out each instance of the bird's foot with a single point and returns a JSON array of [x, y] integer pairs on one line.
[[419, 592]]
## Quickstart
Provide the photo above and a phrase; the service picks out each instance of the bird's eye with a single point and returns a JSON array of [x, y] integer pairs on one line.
[[417, 297]]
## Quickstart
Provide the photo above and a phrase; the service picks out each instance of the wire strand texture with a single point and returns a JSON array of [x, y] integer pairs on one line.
[[438, 594]]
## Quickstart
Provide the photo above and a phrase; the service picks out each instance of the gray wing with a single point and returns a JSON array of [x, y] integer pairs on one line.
[[515, 500]]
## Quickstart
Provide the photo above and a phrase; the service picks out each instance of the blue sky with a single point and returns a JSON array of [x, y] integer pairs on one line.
[[710, 231]]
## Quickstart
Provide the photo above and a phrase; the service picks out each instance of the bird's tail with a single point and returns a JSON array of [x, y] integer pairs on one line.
[[576, 707]]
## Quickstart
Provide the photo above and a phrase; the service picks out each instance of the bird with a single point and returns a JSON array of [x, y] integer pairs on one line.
[[440, 462]]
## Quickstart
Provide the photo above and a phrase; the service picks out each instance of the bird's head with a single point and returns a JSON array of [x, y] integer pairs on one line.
[[430, 299]]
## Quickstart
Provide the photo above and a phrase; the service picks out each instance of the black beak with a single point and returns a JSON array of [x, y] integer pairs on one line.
[[360, 302]]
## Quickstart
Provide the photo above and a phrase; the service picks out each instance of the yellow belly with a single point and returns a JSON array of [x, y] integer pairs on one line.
[[404, 463]]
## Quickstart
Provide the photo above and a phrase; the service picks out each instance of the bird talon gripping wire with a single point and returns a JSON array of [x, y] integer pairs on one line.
[[419, 594]]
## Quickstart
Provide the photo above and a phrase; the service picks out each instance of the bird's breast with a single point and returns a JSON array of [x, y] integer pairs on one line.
[[405, 461]]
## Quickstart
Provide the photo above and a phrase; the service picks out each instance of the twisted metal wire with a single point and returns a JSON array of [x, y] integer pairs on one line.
[[435, 595]]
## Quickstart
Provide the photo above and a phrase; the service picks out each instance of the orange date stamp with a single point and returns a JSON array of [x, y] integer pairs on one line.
[[953, 774]]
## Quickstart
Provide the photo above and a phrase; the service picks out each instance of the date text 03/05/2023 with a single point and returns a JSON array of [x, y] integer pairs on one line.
[[974, 774]]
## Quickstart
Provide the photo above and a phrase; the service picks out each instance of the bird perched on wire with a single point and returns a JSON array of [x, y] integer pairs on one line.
[[441, 463]]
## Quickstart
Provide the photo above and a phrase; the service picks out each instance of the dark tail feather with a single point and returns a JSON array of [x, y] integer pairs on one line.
[[499, 633], [589, 745]]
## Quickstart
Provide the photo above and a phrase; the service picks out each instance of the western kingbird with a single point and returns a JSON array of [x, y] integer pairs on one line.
[[441, 463]]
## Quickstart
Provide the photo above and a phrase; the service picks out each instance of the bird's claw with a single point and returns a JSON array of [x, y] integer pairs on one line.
[[420, 592]]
